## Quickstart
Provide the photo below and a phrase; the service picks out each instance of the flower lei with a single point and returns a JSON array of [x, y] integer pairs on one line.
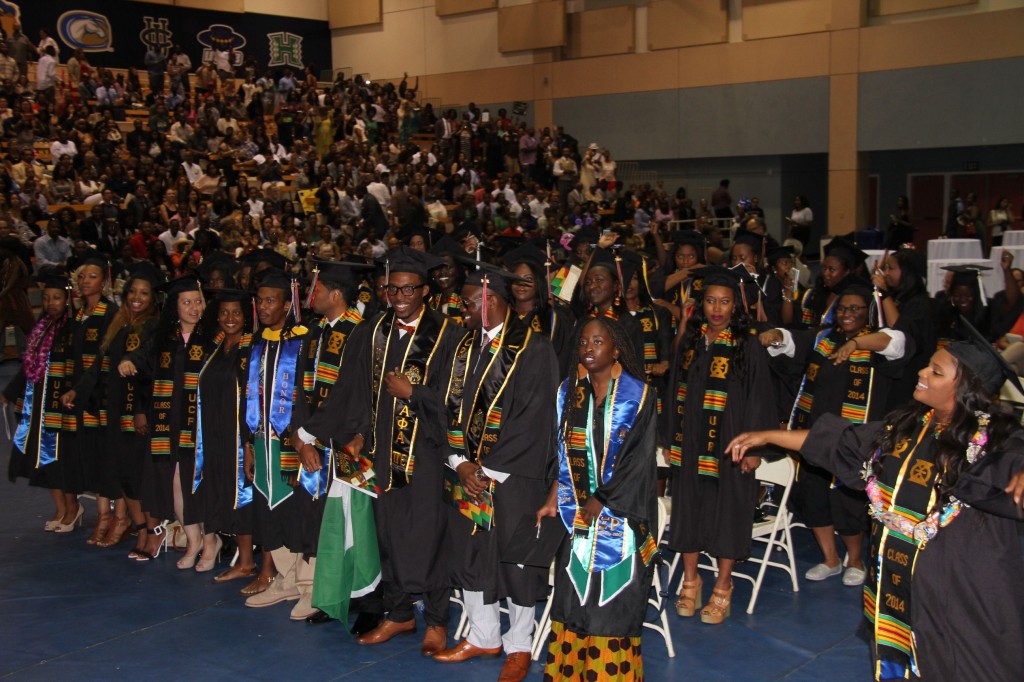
[[925, 530]]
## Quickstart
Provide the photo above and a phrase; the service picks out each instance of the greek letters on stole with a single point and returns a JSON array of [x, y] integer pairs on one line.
[[415, 365]]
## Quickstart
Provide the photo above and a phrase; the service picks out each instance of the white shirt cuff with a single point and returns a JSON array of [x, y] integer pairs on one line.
[[897, 344], [305, 436], [455, 460], [788, 348]]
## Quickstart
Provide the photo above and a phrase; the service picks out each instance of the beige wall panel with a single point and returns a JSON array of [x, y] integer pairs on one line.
[[386, 50], [849, 14], [156, 2], [773, 18], [760, 60], [847, 199], [529, 27], [543, 81], [464, 42], [388, 6], [842, 125], [446, 7], [970, 38], [302, 9], [844, 51], [881, 8], [349, 13], [543, 113], [681, 23], [624, 73], [602, 32], [482, 87], [219, 5]]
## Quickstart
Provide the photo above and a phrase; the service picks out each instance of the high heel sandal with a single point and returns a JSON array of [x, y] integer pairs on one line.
[[207, 563], [718, 608], [52, 523], [100, 532], [68, 527], [143, 555], [136, 529], [690, 598], [189, 560], [116, 533]]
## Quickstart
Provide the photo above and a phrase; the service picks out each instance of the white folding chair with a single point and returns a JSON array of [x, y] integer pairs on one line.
[[660, 625], [543, 629], [462, 628]]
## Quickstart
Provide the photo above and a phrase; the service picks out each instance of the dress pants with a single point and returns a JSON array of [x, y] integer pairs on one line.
[[485, 624]]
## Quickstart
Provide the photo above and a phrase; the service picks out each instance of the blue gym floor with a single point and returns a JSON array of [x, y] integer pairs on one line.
[[69, 611]]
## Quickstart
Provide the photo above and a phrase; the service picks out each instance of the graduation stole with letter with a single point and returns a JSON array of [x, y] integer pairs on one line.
[[542, 321], [714, 400], [164, 384], [907, 486], [607, 544], [132, 341], [243, 489], [452, 305], [648, 320], [324, 359], [807, 309], [92, 325], [860, 375], [415, 365]]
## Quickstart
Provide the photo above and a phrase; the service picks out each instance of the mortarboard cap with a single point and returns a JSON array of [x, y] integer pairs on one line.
[[229, 295], [94, 257], [53, 280], [274, 279], [966, 275], [340, 273], [273, 258], [404, 259], [846, 250], [181, 285], [776, 253], [752, 239], [146, 271], [979, 357], [498, 279], [716, 275]]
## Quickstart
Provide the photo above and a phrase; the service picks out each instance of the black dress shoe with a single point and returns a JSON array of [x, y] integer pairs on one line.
[[365, 622], [318, 618]]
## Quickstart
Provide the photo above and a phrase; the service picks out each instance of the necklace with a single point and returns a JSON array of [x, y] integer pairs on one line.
[[923, 531]]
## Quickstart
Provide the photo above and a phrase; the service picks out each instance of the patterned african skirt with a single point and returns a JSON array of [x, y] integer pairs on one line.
[[588, 658]]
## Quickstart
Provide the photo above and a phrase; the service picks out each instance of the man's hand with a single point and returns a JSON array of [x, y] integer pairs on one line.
[[309, 457], [473, 480], [249, 462], [591, 510], [398, 385]]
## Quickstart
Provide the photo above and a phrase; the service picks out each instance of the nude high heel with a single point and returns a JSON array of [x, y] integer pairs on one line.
[[690, 598], [718, 608]]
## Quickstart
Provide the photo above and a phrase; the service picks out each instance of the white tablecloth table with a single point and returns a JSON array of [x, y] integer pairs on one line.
[[1017, 251], [1013, 238], [992, 279], [942, 249]]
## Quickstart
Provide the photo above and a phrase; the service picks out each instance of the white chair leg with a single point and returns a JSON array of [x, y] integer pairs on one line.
[[540, 635]]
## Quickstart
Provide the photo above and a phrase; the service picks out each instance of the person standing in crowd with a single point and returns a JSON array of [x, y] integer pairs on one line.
[[842, 259], [721, 384], [502, 390], [605, 482]]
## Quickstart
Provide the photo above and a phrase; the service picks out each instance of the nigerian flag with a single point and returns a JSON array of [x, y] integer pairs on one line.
[[347, 558]]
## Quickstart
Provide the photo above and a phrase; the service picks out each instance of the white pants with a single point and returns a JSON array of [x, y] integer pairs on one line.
[[485, 624]]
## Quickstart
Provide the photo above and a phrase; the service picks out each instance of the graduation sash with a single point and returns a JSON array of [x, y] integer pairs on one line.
[[807, 311], [649, 324], [324, 359], [63, 370], [542, 321], [415, 365], [451, 305], [132, 341], [714, 401], [165, 383], [270, 393], [607, 544], [243, 489], [907, 486], [857, 388], [45, 447]]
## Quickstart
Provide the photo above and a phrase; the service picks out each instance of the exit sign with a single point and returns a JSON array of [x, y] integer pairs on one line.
[[970, 166]]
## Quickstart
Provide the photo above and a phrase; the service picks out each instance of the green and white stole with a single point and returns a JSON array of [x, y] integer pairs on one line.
[[607, 544], [415, 365], [164, 384], [713, 405], [907, 486]]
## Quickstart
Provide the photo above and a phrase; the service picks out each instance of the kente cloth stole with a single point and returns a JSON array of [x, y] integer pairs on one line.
[[270, 395], [92, 325], [243, 488], [860, 376], [648, 320], [451, 305], [476, 421], [323, 360], [419, 351], [827, 318], [165, 381], [132, 341], [45, 445], [907, 485], [58, 380], [606, 545], [542, 321], [714, 400]]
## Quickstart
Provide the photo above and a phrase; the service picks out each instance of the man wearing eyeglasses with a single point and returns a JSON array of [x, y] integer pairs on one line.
[[391, 396]]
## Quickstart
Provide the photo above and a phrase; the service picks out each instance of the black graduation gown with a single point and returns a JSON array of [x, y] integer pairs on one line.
[[523, 450], [917, 321], [562, 337], [716, 515], [222, 386], [23, 464], [410, 518], [630, 493], [630, 325], [967, 606]]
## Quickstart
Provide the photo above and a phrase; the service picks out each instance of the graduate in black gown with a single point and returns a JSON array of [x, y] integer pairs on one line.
[[943, 601], [34, 451], [721, 380], [845, 370], [501, 402], [388, 411], [842, 259], [687, 252], [605, 483], [220, 466], [126, 402], [992, 316], [603, 291]]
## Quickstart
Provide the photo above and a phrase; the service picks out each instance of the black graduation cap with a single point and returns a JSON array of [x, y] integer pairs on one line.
[[857, 286], [217, 262], [231, 295], [94, 257], [966, 275], [525, 253], [53, 280], [447, 246], [416, 231], [340, 273], [978, 355], [633, 263], [145, 270], [275, 279], [181, 285], [257, 256], [845, 249], [752, 239], [778, 252], [498, 279], [716, 275], [404, 259], [585, 235]]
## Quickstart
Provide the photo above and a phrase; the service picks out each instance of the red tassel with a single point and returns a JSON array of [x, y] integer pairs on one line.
[[312, 287]]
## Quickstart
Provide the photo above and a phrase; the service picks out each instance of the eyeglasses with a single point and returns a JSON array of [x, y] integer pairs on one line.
[[407, 290], [850, 309]]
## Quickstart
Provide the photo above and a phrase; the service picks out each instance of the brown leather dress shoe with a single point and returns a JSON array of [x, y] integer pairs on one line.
[[435, 640], [386, 630], [463, 651], [516, 667]]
